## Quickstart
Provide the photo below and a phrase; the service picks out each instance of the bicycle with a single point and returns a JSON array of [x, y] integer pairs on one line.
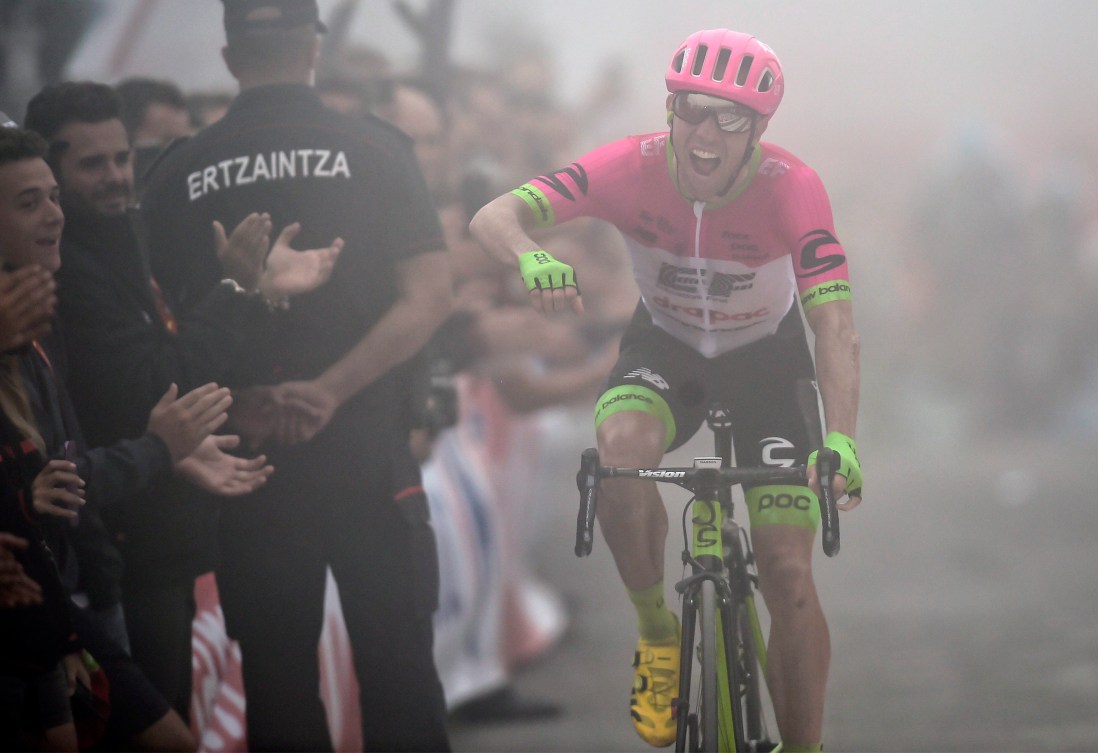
[[721, 587]]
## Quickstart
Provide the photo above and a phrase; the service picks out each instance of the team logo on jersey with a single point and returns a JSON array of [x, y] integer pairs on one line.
[[772, 445], [723, 284], [691, 281], [646, 374], [653, 146], [811, 261], [574, 171], [680, 279], [772, 166]]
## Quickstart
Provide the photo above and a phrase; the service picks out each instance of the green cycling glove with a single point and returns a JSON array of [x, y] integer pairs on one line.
[[540, 271], [849, 467]]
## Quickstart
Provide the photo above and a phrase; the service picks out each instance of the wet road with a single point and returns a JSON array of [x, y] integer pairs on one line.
[[962, 610]]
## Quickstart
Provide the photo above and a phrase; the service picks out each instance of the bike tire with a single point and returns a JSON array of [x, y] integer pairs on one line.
[[753, 706], [710, 704]]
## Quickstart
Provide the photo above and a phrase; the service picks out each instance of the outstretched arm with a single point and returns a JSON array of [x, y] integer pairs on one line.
[[502, 227]]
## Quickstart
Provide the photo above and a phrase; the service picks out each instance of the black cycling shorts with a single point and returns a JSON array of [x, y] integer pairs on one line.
[[758, 384]]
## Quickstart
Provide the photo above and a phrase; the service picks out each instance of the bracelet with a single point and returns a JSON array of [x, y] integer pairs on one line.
[[281, 305]]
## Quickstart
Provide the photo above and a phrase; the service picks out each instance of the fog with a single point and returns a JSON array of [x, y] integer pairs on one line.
[[957, 143], [886, 102]]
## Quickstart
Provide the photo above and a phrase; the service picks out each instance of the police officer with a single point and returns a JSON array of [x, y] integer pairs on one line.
[[332, 415]]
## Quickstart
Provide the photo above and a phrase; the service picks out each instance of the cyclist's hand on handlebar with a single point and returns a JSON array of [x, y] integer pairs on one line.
[[551, 284], [848, 477]]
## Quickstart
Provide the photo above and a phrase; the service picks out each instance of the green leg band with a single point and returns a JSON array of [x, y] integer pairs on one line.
[[783, 505], [635, 397]]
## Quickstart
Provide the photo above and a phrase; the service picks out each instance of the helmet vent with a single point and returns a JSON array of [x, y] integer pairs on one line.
[[679, 60], [767, 81], [722, 64], [699, 59], [745, 68]]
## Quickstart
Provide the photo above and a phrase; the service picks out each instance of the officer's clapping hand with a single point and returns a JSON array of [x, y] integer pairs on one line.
[[290, 272], [212, 468], [285, 414], [243, 253]]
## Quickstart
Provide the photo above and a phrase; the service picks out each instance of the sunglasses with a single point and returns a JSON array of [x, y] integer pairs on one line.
[[694, 108]]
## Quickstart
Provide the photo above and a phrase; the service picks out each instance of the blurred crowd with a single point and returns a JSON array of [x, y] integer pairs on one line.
[[995, 289]]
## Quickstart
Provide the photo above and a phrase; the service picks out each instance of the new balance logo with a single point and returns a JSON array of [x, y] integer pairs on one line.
[[646, 374]]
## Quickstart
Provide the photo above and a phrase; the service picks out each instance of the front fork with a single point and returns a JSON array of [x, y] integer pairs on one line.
[[706, 557]]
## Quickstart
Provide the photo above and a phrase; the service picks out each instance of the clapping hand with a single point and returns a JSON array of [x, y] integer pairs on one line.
[[17, 589], [212, 468], [27, 302], [290, 272], [286, 414], [184, 422], [244, 253]]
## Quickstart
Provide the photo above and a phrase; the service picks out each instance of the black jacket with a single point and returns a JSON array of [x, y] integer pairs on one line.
[[32, 638], [127, 347]]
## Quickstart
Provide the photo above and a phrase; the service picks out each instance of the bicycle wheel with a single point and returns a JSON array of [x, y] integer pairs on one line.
[[749, 673], [709, 712]]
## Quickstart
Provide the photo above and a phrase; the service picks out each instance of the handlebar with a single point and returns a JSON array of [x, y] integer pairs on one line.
[[707, 480]]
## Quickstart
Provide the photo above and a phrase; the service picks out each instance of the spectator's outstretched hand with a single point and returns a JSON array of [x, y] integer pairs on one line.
[[184, 422], [58, 490], [289, 272], [17, 589], [243, 253], [212, 468], [27, 302]]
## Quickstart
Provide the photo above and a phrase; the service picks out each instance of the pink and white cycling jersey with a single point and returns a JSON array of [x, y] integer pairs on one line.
[[716, 276]]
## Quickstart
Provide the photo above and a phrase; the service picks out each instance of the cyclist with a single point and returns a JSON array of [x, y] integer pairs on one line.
[[725, 232]]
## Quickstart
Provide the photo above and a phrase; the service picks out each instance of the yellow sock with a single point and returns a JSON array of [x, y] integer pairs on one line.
[[802, 747], [655, 621]]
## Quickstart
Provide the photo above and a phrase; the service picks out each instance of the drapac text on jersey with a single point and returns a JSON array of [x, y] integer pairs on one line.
[[280, 165]]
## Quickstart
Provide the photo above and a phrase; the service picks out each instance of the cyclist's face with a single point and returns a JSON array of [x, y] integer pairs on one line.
[[707, 157]]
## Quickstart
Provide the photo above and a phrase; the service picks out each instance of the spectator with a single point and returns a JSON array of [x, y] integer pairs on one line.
[[110, 305], [334, 415], [177, 435], [154, 113]]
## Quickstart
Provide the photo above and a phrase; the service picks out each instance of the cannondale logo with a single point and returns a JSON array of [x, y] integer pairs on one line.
[[646, 374], [772, 444]]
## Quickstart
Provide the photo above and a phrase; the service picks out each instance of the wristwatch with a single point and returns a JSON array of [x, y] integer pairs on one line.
[[230, 284]]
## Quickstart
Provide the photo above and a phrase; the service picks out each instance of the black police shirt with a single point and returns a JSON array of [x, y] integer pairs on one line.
[[279, 150]]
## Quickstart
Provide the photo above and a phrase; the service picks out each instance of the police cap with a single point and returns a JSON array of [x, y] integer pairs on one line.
[[243, 16]]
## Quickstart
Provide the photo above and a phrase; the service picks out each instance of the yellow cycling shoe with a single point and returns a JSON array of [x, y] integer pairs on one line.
[[655, 685]]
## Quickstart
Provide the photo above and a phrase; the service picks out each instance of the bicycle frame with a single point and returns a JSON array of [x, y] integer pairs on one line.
[[725, 599]]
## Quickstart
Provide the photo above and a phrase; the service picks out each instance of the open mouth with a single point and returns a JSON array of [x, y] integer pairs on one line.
[[703, 162]]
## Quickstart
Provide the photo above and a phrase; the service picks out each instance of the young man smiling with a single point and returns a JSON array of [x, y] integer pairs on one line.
[[725, 232]]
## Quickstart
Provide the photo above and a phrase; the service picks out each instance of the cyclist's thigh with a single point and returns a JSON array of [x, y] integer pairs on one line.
[[760, 385], [658, 375]]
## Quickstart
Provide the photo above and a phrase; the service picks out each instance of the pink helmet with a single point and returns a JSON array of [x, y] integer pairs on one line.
[[730, 65]]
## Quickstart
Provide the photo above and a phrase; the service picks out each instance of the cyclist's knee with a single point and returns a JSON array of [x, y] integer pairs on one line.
[[784, 557], [634, 425], [631, 438]]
